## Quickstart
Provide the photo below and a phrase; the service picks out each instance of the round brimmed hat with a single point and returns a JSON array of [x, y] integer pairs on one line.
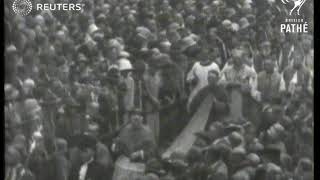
[[82, 58], [143, 32], [162, 60], [98, 36], [230, 12], [11, 49], [306, 164], [165, 44], [186, 43], [11, 93], [227, 24], [124, 65], [253, 158], [114, 43], [113, 73], [139, 66], [28, 83], [101, 18], [31, 105], [271, 167], [174, 27], [244, 23], [241, 175], [124, 54]]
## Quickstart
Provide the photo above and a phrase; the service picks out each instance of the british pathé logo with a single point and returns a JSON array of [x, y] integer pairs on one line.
[[297, 4], [22, 7], [294, 23]]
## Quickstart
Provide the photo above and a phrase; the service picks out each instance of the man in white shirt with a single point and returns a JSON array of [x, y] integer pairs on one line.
[[198, 75]]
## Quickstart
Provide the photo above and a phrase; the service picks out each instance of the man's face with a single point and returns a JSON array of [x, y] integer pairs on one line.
[[86, 154], [136, 120], [237, 61], [306, 45], [213, 33], [174, 37], [269, 66], [265, 50], [213, 78], [297, 62]]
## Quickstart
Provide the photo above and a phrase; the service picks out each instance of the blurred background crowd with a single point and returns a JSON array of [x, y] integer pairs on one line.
[[70, 73]]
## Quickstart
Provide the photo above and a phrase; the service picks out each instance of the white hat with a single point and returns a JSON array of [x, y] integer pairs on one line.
[[253, 158], [235, 27], [187, 42], [113, 66], [115, 43], [92, 28], [226, 23], [143, 32], [29, 83], [165, 44], [11, 48], [124, 64], [31, 105], [124, 54], [39, 19]]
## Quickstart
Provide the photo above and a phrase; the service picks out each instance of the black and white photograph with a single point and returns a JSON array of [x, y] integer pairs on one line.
[[158, 90]]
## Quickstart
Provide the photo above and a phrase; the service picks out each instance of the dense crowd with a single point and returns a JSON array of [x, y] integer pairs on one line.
[[124, 77]]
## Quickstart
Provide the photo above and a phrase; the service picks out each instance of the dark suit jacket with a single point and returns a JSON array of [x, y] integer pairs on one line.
[[219, 109], [95, 171]]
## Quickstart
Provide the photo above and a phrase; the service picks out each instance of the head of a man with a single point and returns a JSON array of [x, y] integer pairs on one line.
[[297, 59], [237, 55], [86, 154], [213, 77], [269, 65], [136, 118], [265, 48]]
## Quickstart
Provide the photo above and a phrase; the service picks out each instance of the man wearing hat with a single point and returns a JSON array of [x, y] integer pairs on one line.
[[137, 140], [11, 60], [109, 101], [126, 68], [88, 159], [265, 52], [270, 82], [14, 168], [297, 77]]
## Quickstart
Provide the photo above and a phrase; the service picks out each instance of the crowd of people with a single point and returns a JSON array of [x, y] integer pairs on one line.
[[122, 78]]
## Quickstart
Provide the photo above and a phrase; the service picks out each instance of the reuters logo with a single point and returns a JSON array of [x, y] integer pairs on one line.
[[22, 7]]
